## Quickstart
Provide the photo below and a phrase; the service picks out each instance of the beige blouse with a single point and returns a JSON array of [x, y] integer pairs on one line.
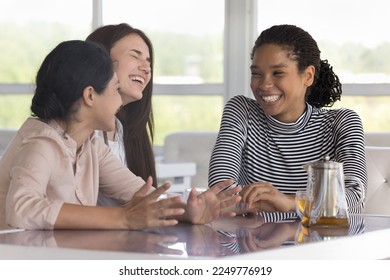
[[40, 170]]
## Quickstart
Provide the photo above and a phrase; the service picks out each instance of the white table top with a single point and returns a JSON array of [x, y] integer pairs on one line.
[[94, 245]]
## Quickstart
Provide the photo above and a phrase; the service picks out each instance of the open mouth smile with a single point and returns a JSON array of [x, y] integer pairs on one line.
[[271, 98], [138, 79]]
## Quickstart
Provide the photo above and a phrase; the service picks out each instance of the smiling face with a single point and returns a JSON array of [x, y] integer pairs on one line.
[[276, 83], [132, 66]]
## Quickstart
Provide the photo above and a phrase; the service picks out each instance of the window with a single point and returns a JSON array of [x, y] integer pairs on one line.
[[188, 48], [191, 40], [29, 30], [187, 38]]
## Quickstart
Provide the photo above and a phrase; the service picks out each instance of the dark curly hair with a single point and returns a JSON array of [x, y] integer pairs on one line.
[[326, 87]]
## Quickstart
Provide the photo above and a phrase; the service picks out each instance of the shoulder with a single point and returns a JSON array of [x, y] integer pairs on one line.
[[40, 135], [345, 123], [348, 113], [34, 128], [346, 117], [241, 100], [36, 144], [240, 104], [337, 114]]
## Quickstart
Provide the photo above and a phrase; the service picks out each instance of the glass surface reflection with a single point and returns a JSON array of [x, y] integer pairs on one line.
[[315, 234], [225, 237]]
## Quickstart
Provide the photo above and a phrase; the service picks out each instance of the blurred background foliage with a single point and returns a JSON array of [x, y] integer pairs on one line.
[[20, 57]]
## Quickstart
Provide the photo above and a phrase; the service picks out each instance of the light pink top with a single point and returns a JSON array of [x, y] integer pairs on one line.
[[40, 170]]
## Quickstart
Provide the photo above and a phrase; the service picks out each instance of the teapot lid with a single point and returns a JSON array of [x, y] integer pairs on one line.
[[325, 163]]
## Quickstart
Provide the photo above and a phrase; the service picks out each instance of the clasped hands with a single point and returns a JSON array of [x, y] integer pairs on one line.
[[263, 196]]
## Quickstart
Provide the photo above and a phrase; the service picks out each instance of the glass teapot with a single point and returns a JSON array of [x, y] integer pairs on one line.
[[326, 203]]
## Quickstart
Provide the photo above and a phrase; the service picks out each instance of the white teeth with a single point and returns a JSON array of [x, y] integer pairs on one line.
[[271, 98], [138, 79]]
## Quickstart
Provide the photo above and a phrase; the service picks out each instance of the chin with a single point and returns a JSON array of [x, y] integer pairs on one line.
[[128, 98], [139, 95]]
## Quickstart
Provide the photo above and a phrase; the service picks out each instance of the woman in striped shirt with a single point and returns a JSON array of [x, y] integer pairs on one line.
[[264, 142]]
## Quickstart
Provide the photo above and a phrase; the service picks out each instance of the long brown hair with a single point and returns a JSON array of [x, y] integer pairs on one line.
[[136, 117]]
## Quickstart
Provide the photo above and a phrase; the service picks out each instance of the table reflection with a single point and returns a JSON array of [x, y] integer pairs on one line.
[[224, 237], [115, 240], [315, 234]]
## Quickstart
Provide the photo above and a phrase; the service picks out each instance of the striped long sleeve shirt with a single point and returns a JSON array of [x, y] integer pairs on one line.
[[252, 147]]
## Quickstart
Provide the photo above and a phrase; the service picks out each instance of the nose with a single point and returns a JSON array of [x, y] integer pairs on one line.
[[145, 67], [265, 83]]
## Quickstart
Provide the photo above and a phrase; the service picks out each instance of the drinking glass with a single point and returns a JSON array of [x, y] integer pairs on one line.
[[306, 235], [303, 207], [300, 200]]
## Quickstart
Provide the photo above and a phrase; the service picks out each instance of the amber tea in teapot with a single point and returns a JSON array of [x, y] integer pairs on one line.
[[326, 190]]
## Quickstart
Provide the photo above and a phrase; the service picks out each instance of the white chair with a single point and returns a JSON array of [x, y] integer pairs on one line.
[[6, 135], [378, 172], [381, 139], [178, 174], [191, 146]]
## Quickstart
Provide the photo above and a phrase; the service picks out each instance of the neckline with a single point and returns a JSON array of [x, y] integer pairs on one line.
[[290, 128]]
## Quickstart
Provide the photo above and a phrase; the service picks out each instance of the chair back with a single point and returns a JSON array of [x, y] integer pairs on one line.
[[191, 146], [6, 135], [381, 139], [378, 172]]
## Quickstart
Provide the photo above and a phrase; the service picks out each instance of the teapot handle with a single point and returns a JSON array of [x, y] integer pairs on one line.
[[359, 182]]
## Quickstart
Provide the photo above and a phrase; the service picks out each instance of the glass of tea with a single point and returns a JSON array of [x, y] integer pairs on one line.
[[303, 206]]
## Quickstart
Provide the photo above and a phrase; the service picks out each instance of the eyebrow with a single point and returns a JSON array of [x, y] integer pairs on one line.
[[276, 66], [139, 53]]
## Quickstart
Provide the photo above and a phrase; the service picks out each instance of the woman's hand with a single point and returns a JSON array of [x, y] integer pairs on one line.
[[113, 240], [239, 222], [263, 196], [212, 204], [203, 240], [269, 235], [145, 211]]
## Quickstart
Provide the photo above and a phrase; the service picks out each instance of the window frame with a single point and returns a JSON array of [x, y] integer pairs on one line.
[[240, 33]]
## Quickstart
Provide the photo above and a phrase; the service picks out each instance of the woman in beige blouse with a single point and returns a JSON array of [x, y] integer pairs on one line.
[[52, 171]]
